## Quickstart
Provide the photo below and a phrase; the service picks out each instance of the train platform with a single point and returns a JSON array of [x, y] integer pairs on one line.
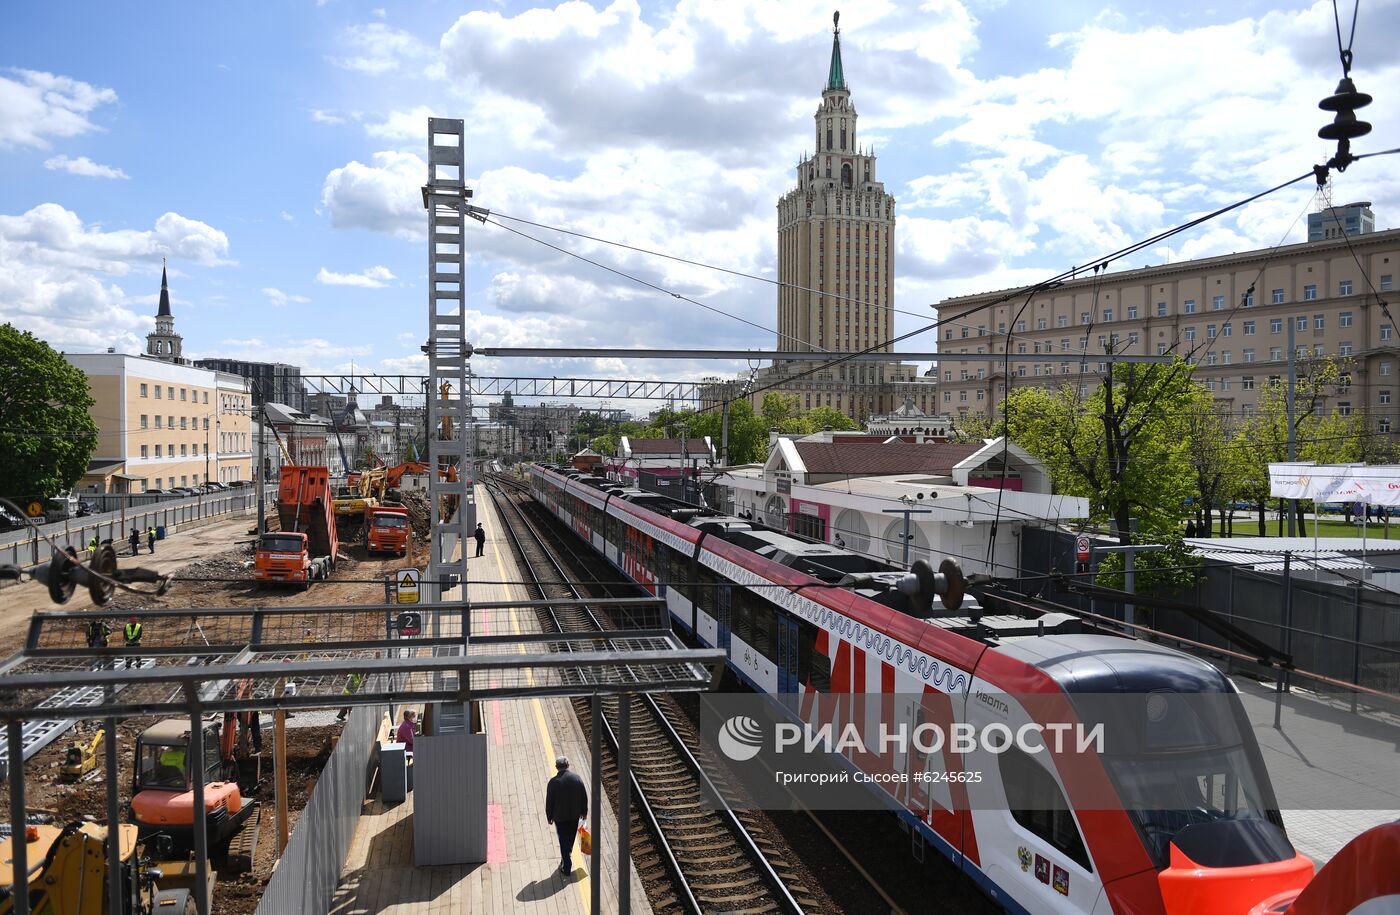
[[1334, 770], [521, 871]]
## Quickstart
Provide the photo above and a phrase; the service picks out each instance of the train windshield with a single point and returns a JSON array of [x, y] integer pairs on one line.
[[1180, 760]]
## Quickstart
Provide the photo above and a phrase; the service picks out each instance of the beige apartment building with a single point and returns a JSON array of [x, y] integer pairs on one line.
[[167, 424], [1229, 315]]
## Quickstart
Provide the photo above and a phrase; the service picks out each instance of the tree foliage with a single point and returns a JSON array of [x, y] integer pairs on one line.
[[46, 432]]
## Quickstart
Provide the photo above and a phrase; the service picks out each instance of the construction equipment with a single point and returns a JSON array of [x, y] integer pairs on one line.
[[162, 798], [81, 757], [68, 872], [389, 530], [304, 549]]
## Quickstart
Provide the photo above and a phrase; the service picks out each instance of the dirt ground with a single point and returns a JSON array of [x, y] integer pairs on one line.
[[208, 564]]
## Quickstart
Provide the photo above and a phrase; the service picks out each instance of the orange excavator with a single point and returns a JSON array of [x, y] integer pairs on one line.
[[162, 794]]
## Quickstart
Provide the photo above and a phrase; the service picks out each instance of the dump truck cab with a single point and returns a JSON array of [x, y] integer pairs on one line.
[[389, 530], [163, 795], [283, 556]]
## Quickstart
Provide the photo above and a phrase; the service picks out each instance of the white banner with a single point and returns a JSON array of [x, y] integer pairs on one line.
[[1375, 484]]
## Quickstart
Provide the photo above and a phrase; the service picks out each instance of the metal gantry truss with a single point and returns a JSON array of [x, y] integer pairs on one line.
[[494, 386], [448, 396]]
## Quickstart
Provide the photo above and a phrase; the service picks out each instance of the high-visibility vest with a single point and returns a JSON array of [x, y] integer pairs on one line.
[[173, 757], [151, 533], [132, 631], [352, 684]]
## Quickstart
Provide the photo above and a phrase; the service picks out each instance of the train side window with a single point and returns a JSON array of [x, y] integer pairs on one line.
[[1039, 806], [762, 622], [743, 617]]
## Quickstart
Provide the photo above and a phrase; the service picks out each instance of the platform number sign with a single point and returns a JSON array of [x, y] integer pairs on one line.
[[409, 623], [406, 586]]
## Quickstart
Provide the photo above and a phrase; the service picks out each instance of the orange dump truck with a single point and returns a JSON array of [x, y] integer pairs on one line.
[[388, 531], [304, 549]]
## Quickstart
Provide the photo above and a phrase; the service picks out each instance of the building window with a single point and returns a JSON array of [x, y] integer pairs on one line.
[[1210, 358], [1189, 333], [1385, 396], [948, 375], [158, 390], [1275, 353], [1319, 322], [1062, 321], [1318, 350], [1278, 296], [962, 396], [143, 420], [1001, 328], [1084, 317], [170, 392], [1344, 349], [1210, 331], [1132, 312], [1225, 330], [1249, 328], [1344, 407], [159, 421], [1344, 287], [1040, 324], [145, 451], [182, 393], [1132, 339], [980, 395], [1385, 368], [1275, 325], [1249, 299], [1161, 349], [1020, 327], [947, 396], [183, 422], [1161, 309], [1386, 331], [143, 390], [963, 334], [1225, 360], [206, 396], [1189, 307], [1218, 303], [1385, 426], [1301, 322], [1248, 355], [1344, 319], [1247, 382], [158, 451], [1309, 292], [1385, 282]]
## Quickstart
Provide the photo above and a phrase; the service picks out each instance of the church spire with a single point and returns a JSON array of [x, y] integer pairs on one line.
[[836, 78], [164, 311]]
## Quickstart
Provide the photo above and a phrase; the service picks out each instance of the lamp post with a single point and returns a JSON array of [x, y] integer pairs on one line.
[[906, 511]]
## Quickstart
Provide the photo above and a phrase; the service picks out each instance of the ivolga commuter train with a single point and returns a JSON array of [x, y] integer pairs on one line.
[[1217, 846]]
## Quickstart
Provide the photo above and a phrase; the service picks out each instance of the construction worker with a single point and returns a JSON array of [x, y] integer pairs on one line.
[[171, 762], [352, 686], [93, 545], [131, 632], [97, 632], [135, 541], [151, 539]]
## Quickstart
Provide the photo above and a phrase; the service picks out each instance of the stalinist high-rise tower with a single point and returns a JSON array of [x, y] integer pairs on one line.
[[836, 236], [836, 267]]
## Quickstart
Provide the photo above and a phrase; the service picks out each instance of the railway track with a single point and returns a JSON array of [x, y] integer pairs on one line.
[[692, 857]]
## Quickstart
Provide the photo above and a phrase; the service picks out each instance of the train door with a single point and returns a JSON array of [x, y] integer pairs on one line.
[[661, 556], [722, 616], [786, 655]]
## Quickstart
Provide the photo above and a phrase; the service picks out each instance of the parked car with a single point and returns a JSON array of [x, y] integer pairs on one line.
[[85, 508], [238, 484], [215, 486], [182, 491], [10, 521], [157, 492]]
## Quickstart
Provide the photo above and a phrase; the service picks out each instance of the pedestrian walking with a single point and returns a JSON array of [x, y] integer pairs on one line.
[[151, 539], [135, 541], [480, 535], [565, 804]]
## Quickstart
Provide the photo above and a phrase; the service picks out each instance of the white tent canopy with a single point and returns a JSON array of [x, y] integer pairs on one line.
[[1374, 484]]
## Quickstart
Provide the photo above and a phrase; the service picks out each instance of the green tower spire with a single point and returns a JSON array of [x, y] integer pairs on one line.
[[836, 79]]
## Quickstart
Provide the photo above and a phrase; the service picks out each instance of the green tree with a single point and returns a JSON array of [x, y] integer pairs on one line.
[[1118, 447], [818, 419], [46, 432]]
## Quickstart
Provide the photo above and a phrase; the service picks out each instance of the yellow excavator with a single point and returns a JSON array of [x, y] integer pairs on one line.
[[68, 873], [81, 757]]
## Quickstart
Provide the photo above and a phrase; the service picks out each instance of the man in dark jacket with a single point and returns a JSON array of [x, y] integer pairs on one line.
[[480, 535], [565, 803]]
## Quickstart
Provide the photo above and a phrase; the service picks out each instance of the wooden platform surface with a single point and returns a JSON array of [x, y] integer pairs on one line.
[[521, 874]]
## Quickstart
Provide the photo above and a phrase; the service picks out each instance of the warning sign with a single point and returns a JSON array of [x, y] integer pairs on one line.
[[406, 590], [1081, 549]]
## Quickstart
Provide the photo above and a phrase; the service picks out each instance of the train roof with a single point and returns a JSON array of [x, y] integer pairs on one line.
[[1089, 663]]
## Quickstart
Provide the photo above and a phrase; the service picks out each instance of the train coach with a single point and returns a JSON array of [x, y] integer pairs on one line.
[[1173, 814]]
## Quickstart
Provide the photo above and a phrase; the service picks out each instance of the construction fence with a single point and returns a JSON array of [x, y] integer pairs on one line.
[[26, 548], [1342, 629], [309, 870]]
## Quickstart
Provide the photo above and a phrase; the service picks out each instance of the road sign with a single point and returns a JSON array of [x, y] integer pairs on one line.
[[1081, 548], [405, 588]]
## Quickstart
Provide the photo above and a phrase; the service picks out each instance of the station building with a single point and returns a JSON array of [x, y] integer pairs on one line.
[[865, 491]]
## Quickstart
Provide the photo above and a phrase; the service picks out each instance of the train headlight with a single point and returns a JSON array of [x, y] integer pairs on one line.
[[1157, 707]]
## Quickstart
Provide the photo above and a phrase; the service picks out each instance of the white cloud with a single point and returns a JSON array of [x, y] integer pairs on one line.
[[370, 278], [35, 106], [384, 196], [314, 355], [281, 299], [85, 167], [55, 274], [376, 49], [321, 116], [287, 217]]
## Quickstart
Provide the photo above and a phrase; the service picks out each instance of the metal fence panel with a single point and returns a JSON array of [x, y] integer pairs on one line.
[[309, 871]]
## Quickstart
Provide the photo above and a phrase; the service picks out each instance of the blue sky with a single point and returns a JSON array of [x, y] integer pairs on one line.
[[273, 152]]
